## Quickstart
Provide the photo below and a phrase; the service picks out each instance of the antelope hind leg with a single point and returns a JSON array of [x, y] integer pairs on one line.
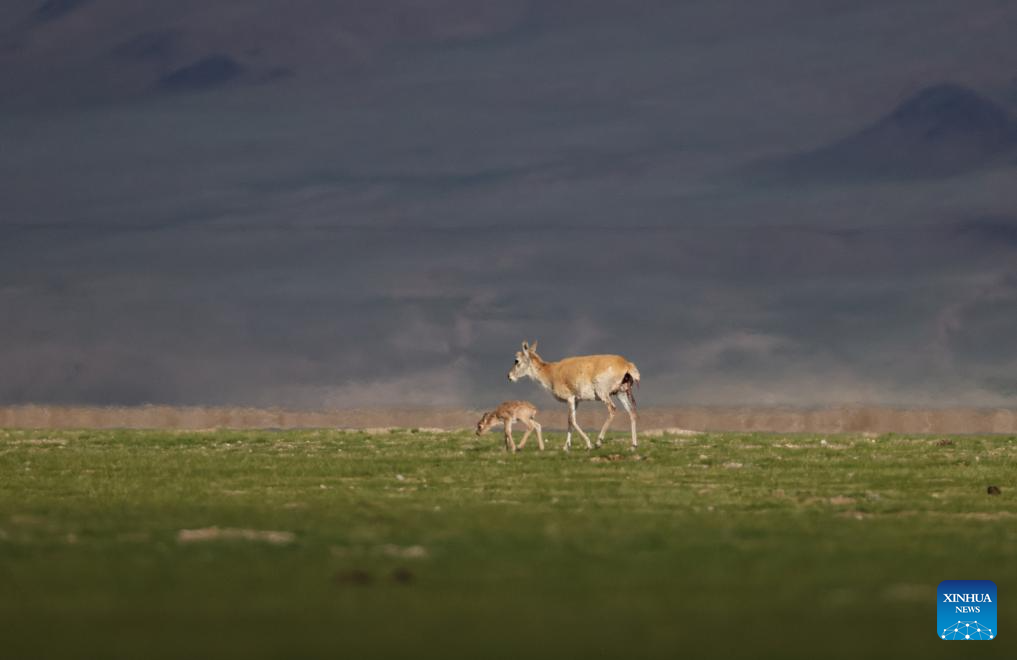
[[624, 399], [607, 422], [522, 443]]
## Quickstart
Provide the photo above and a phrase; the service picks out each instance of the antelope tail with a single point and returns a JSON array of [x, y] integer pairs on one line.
[[630, 378], [633, 374]]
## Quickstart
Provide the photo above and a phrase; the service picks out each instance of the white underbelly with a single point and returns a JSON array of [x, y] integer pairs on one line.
[[586, 391]]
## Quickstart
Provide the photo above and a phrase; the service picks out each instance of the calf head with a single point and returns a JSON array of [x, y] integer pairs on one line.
[[486, 422]]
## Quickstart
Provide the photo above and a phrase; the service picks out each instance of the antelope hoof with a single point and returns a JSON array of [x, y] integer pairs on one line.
[[598, 444]]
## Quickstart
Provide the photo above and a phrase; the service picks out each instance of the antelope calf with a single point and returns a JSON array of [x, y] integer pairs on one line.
[[507, 413], [583, 378]]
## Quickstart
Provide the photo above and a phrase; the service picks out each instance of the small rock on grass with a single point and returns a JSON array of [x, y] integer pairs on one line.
[[402, 575], [356, 577], [994, 490]]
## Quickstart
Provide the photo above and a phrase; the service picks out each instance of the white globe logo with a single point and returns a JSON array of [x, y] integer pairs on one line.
[[978, 633]]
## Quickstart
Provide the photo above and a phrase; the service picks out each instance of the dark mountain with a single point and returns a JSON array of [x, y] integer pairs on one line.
[[158, 45], [54, 9], [994, 231], [56, 52], [941, 131]]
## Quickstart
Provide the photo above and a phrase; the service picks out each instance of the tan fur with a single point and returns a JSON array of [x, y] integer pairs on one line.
[[583, 378], [507, 413]]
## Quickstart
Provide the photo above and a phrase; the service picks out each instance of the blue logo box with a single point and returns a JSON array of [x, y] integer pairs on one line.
[[966, 610]]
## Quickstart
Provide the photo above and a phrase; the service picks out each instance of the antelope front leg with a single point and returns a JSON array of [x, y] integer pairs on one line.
[[510, 444], [574, 424], [540, 438]]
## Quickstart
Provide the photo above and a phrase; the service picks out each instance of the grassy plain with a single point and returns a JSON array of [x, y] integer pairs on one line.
[[420, 544]]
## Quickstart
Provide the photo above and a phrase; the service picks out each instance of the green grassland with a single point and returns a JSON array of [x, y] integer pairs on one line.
[[414, 544]]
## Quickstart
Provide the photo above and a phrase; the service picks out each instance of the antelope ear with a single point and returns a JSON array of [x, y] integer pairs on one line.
[[533, 347], [526, 346]]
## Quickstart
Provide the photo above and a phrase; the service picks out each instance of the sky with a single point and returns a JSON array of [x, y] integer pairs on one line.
[[331, 204]]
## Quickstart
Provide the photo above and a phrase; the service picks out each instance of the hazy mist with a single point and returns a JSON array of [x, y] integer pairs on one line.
[[333, 204]]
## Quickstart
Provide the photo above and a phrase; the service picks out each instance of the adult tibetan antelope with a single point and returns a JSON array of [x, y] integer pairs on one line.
[[583, 378]]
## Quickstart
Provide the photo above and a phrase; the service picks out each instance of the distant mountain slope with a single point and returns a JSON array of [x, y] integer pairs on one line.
[[208, 72], [56, 51], [941, 131]]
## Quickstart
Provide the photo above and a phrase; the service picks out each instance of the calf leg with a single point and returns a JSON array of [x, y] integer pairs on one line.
[[540, 438], [529, 429], [510, 444]]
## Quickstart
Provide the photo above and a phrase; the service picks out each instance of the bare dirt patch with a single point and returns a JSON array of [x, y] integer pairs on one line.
[[670, 420], [234, 534], [404, 552], [658, 433], [984, 515], [44, 442]]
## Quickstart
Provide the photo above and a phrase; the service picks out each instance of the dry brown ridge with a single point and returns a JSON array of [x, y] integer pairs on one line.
[[781, 420]]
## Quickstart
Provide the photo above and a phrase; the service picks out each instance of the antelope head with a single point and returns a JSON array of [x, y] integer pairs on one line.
[[486, 422], [524, 363]]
